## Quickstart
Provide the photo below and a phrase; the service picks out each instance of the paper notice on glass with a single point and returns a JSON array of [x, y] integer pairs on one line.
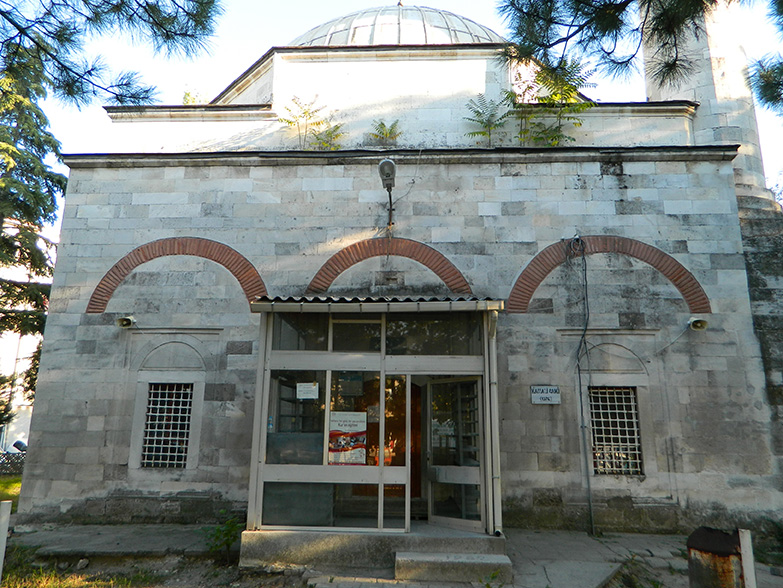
[[307, 391], [348, 438]]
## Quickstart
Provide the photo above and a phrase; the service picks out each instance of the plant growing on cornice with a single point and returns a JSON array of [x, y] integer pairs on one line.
[[485, 113], [385, 134], [557, 93], [326, 139], [192, 98], [306, 118]]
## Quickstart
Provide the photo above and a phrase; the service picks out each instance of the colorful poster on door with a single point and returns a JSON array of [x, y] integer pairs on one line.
[[348, 438]]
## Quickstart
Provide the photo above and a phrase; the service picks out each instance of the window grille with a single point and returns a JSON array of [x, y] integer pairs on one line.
[[614, 417], [167, 426]]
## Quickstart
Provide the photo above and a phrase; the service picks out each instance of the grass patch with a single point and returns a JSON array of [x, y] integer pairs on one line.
[[19, 572], [9, 489]]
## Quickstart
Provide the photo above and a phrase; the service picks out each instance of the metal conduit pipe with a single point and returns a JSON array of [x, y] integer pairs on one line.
[[497, 510]]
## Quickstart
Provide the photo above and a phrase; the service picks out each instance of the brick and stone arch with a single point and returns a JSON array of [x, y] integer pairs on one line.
[[557, 253], [419, 252], [247, 275]]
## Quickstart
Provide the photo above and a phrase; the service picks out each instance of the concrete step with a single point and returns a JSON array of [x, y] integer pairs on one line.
[[358, 583], [370, 582], [452, 567], [329, 549]]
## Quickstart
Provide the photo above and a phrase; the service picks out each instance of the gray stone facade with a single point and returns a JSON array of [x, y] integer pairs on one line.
[[708, 401]]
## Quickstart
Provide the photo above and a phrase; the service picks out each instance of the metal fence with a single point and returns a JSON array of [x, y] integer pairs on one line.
[[11, 463]]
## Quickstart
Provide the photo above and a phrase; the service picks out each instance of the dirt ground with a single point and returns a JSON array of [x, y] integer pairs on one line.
[[179, 571], [637, 575], [175, 570]]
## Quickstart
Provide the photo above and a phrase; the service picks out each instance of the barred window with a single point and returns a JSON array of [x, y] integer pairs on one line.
[[167, 426], [614, 417]]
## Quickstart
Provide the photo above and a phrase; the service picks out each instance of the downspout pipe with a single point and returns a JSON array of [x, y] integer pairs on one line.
[[494, 411]]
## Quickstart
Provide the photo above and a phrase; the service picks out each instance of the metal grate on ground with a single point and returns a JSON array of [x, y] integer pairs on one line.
[[167, 426], [614, 419]]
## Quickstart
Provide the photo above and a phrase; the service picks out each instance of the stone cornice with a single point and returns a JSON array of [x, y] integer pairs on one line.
[[502, 155], [621, 109], [199, 113]]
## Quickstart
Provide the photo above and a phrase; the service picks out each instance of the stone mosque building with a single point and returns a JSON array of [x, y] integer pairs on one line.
[[245, 316]]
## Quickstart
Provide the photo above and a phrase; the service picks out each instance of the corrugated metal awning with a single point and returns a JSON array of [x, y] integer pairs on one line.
[[374, 304]]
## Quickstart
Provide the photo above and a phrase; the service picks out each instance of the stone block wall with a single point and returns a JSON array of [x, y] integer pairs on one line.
[[762, 228], [704, 417]]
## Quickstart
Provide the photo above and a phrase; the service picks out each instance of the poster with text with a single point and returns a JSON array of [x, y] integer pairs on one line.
[[348, 438], [307, 391]]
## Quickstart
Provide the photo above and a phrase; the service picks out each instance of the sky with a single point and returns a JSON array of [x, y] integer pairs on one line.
[[248, 28]]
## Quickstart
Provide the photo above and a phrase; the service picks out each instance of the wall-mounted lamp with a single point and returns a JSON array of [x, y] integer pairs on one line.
[[125, 322], [697, 324], [387, 169]]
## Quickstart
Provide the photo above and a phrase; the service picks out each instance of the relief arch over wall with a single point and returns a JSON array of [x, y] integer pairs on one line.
[[557, 253], [358, 252], [244, 271]]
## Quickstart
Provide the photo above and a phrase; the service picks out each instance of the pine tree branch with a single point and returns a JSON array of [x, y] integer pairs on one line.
[[86, 75]]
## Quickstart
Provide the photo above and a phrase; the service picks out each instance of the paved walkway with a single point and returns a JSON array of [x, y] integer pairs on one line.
[[541, 559]]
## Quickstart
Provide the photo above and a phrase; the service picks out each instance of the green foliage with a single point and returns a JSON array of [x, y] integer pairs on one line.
[[51, 34], [305, 117], [491, 581], [777, 191], [766, 79], [326, 139], [29, 190], [28, 187], [8, 385], [191, 98], [221, 537], [544, 107], [30, 377], [19, 572], [9, 489], [609, 34], [385, 134], [558, 102], [312, 129], [486, 114], [23, 306], [41, 52]]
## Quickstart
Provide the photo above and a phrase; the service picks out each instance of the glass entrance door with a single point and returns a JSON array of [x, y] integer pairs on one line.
[[373, 421], [454, 452]]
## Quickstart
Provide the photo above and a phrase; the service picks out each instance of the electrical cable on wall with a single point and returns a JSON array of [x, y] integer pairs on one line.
[[576, 247], [670, 343], [413, 178]]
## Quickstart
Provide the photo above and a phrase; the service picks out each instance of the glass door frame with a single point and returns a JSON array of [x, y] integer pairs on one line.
[[456, 473], [398, 365]]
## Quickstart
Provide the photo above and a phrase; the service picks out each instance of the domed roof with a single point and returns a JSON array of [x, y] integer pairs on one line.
[[397, 25]]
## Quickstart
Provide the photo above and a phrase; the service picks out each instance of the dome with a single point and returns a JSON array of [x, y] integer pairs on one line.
[[397, 25]]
